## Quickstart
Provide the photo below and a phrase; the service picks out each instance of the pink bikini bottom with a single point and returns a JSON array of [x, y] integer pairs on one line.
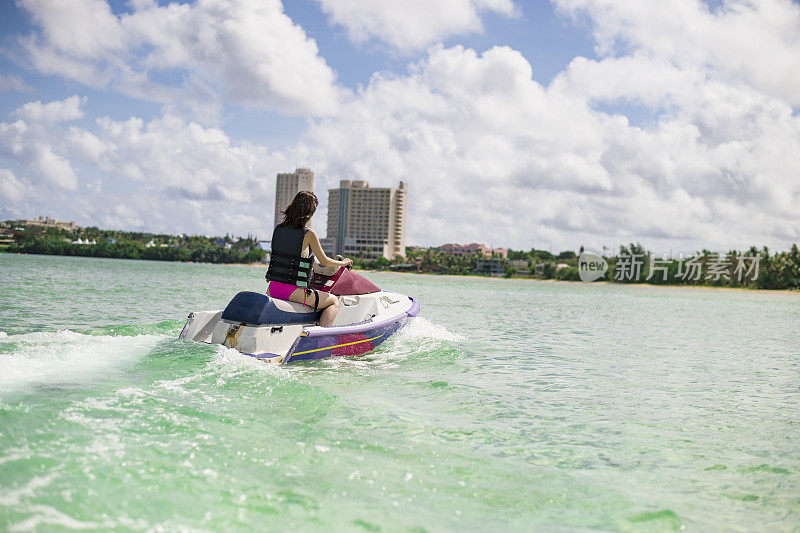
[[281, 291]]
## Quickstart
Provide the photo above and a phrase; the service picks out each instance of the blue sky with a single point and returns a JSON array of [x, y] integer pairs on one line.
[[520, 123]]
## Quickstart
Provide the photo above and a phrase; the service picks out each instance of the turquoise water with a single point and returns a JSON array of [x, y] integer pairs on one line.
[[507, 405]]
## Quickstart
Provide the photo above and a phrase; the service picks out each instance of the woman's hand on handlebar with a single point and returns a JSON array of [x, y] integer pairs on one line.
[[348, 263]]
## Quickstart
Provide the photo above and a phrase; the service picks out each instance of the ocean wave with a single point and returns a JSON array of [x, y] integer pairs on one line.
[[15, 496], [226, 369], [419, 339], [422, 328], [167, 327], [66, 356]]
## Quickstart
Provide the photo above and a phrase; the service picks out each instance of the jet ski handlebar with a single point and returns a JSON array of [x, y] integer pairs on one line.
[[342, 258]]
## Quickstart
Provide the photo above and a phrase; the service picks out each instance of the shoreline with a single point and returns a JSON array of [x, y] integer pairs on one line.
[[538, 280], [22, 254], [604, 282]]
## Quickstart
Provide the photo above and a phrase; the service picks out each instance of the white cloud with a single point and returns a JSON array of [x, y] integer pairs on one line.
[[85, 29], [740, 41], [411, 25], [52, 112], [11, 188], [11, 82], [33, 142], [492, 155], [244, 51], [166, 174]]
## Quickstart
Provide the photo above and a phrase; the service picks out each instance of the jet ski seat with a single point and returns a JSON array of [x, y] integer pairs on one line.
[[256, 309]]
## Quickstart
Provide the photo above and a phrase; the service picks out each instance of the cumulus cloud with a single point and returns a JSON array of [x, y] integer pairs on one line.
[[52, 112], [411, 24], [489, 151], [11, 188], [31, 141], [738, 41], [244, 51], [164, 174]]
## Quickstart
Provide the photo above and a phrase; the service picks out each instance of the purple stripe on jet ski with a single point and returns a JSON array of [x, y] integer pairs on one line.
[[322, 345], [263, 355]]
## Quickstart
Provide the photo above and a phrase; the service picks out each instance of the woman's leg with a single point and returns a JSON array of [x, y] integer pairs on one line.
[[327, 302], [330, 303]]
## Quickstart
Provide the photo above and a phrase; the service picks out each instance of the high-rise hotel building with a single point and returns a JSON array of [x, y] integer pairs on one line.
[[287, 186], [366, 222]]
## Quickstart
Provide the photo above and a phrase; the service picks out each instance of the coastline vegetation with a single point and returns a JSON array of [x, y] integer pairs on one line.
[[631, 264], [757, 268], [33, 239]]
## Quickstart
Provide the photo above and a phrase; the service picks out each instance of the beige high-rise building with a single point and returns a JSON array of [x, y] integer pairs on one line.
[[287, 186], [366, 222]]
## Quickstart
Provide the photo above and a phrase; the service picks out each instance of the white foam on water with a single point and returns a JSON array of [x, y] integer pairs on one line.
[[422, 328], [419, 335], [184, 386], [46, 515], [67, 357], [3, 334], [14, 455], [227, 365], [230, 363], [9, 497]]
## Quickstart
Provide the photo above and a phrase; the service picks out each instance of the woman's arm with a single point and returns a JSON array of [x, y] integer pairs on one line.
[[312, 240]]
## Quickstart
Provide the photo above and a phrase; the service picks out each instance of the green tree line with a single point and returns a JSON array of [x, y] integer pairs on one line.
[[133, 245], [133, 250], [753, 268]]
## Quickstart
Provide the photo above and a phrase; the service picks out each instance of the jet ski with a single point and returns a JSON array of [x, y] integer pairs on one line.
[[281, 332]]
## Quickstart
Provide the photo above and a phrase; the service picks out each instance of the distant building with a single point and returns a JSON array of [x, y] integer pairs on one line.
[[406, 267], [49, 222], [460, 250], [367, 222], [267, 247], [492, 267], [519, 264], [287, 186], [6, 237]]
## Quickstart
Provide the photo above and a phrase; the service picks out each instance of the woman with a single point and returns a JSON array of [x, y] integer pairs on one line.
[[293, 249]]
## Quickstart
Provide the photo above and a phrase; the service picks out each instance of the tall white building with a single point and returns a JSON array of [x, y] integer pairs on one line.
[[287, 186], [366, 222]]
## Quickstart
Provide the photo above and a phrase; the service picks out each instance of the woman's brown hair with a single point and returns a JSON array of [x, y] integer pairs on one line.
[[300, 210]]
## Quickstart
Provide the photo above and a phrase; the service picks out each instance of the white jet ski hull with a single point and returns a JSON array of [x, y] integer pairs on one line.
[[281, 332]]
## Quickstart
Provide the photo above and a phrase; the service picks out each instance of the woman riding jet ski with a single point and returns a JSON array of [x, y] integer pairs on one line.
[[294, 247], [310, 311]]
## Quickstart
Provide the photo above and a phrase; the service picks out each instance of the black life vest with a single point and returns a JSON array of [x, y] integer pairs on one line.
[[286, 265]]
